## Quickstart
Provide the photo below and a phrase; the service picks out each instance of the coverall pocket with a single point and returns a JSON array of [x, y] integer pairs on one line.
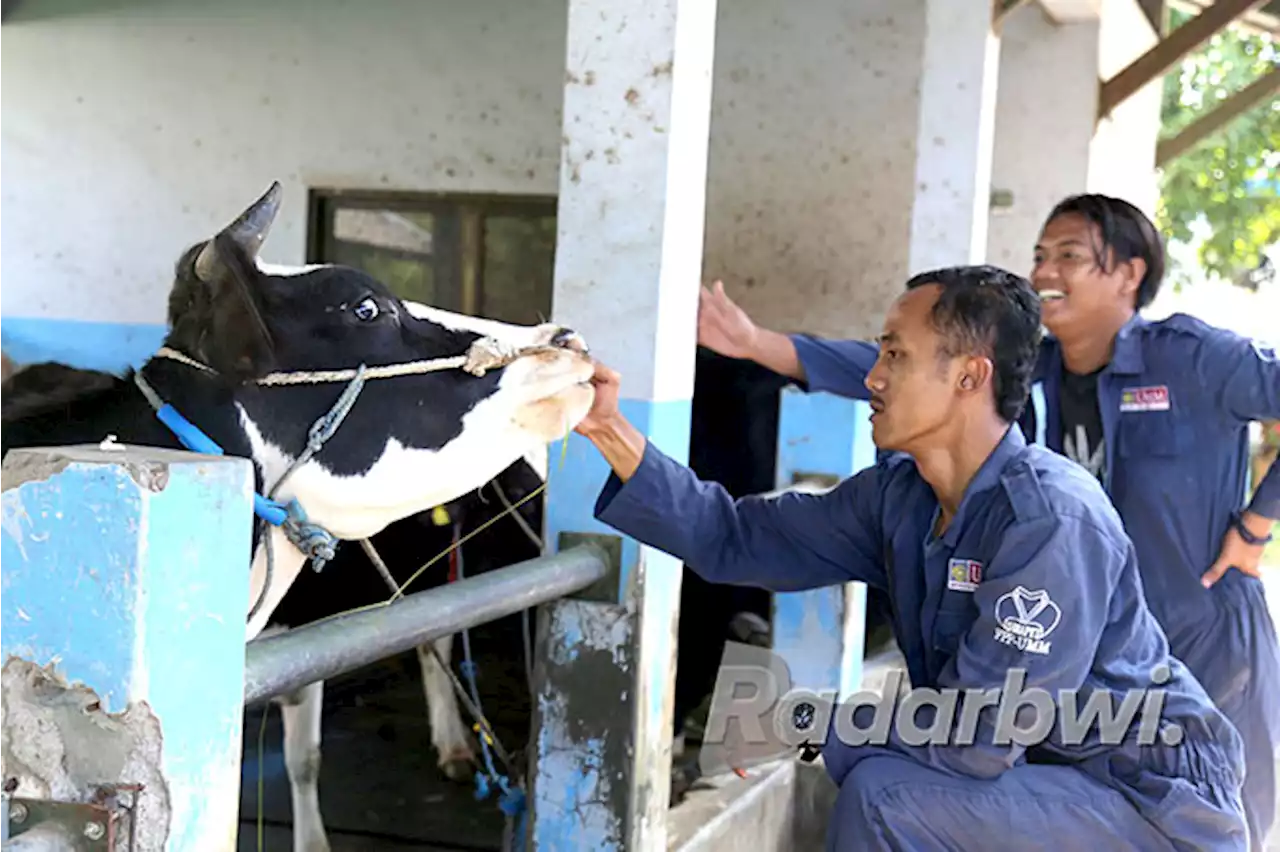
[[1153, 433], [949, 628]]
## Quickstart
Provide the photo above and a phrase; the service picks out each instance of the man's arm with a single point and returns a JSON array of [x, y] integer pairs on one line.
[[839, 367], [785, 543], [1042, 604], [1247, 375]]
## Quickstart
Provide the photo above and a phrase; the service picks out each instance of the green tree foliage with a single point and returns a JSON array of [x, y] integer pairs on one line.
[[1231, 178]]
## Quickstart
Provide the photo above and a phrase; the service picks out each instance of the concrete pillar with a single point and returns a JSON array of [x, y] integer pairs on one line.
[[629, 248], [819, 633], [1049, 142], [954, 135], [126, 579], [1042, 142]]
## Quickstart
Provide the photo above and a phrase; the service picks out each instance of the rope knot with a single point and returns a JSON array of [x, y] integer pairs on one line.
[[313, 540], [486, 354]]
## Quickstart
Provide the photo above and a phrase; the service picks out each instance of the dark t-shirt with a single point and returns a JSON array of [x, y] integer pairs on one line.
[[1082, 422]]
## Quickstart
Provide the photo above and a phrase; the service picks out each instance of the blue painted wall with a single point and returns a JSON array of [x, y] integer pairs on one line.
[[113, 347], [819, 632]]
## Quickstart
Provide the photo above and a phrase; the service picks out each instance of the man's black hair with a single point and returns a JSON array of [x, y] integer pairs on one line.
[[985, 310], [1126, 231]]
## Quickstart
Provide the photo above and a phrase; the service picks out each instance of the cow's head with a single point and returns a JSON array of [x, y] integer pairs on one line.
[[410, 442]]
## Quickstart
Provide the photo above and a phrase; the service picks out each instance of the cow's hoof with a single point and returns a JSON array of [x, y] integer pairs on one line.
[[750, 629], [683, 777], [459, 768]]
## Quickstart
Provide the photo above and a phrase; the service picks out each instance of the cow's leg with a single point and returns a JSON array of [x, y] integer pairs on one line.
[[300, 713], [448, 734]]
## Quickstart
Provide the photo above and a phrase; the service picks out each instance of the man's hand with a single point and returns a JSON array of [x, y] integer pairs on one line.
[[723, 327], [604, 410], [1238, 553], [621, 444]]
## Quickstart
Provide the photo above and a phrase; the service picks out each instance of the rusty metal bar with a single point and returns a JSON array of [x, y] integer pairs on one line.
[[1215, 119], [1169, 50], [280, 664]]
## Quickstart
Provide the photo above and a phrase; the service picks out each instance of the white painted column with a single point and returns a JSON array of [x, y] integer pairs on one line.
[[954, 135], [1049, 142], [629, 253], [1042, 134]]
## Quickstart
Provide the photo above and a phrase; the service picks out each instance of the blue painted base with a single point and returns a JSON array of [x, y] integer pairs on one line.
[[113, 347], [129, 572], [601, 766], [819, 633], [574, 478]]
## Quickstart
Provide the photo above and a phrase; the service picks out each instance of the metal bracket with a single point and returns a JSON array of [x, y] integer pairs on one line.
[[102, 825], [608, 589]]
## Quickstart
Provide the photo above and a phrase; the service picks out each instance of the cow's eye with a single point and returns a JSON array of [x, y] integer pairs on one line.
[[366, 310]]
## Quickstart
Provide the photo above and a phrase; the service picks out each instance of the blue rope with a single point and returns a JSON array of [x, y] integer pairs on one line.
[[317, 543], [512, 801]]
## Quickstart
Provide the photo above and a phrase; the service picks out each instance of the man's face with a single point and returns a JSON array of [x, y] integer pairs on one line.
[[1065, 261], [913, 390]]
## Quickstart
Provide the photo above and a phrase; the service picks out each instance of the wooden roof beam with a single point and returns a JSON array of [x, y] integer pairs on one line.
[[1170, 50], [1218, 117]]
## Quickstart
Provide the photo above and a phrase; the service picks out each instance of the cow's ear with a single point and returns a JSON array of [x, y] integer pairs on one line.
[[240, 344], [238, 341]]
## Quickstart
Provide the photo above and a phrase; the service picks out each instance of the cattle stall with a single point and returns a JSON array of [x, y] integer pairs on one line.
[[583, 162]]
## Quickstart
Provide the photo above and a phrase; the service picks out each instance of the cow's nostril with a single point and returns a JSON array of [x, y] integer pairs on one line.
[[567, 338]]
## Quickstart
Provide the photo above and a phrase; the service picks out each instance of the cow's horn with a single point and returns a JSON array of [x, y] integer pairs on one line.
[[249, 231]]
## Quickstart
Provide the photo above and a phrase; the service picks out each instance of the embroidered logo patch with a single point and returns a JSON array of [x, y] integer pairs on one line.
[[1026, 619], [963, 575], [1154, 398]]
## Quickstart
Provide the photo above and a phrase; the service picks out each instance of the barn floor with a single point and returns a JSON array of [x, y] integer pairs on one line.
[[379, 785]]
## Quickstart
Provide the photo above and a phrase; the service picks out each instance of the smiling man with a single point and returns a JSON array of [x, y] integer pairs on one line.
[[1159, 413], [1050, 587]]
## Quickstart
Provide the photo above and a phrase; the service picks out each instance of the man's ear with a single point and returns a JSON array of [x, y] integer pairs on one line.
[[1133, 270], [242, 345], [975, 374]]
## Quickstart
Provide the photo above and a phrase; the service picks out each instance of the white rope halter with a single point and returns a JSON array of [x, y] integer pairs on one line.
[[483, 355]]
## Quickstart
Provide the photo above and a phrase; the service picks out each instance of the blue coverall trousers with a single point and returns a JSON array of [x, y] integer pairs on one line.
[[1233, 653], [888, 801]]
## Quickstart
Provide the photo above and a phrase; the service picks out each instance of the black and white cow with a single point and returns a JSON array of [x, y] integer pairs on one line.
[[243, 333]]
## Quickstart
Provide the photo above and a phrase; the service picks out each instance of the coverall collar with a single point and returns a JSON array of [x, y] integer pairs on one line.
[[1126, 354], [988, 476]]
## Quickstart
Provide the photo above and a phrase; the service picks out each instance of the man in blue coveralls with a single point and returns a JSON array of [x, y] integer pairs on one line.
[[1051, 587], [1159, 412]]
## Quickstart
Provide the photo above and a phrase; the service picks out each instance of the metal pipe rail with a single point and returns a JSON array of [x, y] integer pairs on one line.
[[280, 664]]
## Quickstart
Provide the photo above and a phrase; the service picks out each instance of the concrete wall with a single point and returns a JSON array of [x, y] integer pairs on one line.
[[812, 164], [1048, 143], [133, 128]]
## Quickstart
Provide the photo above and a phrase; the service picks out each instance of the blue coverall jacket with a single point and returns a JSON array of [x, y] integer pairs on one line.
[[1175, 471], [1049, 583]]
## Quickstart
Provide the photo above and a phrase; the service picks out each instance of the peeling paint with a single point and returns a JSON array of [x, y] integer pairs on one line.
[[582, 753], [57, 742]]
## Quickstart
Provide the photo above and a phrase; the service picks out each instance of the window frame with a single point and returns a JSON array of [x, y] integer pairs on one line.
[[461, 214]]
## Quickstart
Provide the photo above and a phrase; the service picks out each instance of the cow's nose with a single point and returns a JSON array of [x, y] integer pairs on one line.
[[567, 338]]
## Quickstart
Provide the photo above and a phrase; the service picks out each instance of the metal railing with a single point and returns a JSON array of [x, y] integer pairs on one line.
[[280, 664]]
